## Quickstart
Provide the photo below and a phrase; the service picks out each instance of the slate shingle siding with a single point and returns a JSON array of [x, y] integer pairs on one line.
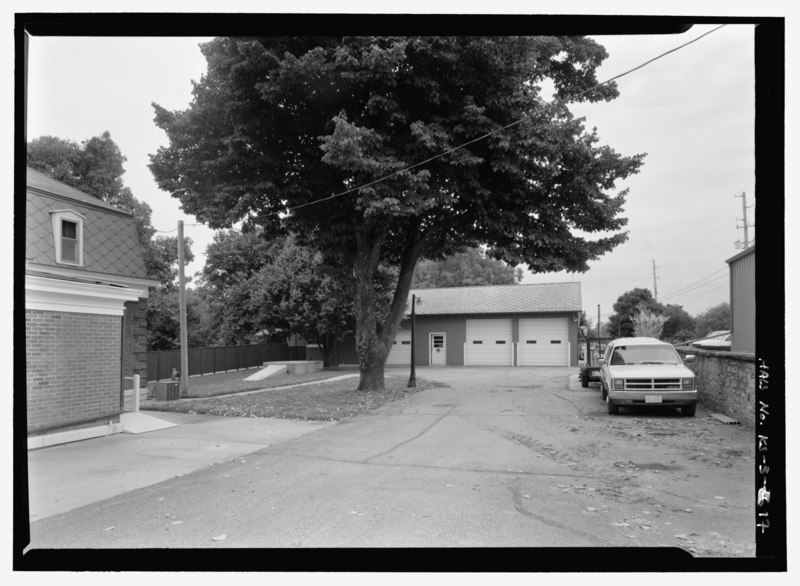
[[110, 242], [73, 367]]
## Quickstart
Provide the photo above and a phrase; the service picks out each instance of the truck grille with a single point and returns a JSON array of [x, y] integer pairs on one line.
[[652, 384]]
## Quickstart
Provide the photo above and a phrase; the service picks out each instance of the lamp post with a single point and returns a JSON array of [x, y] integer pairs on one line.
[[412, 380]]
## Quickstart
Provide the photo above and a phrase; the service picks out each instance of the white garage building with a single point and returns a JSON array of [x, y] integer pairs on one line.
[[501, 325]]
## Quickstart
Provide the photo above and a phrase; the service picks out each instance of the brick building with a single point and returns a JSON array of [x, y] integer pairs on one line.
[[85, 291]]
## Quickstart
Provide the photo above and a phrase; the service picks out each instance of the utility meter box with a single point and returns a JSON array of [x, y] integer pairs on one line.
[[167, 391]]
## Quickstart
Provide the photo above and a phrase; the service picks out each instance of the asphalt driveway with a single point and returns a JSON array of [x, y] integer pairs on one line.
[[501, 457]]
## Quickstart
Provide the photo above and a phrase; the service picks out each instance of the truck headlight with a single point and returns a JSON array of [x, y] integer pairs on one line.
[[687, 384], [619, 384]]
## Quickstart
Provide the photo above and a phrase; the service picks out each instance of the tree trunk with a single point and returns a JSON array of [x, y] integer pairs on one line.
[[374, 340], [371, 353]]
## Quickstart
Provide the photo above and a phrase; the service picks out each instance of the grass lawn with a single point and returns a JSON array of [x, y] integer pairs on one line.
[[330, 401]]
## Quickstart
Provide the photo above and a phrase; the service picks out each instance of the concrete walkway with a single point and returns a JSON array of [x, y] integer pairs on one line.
[[65, 477]]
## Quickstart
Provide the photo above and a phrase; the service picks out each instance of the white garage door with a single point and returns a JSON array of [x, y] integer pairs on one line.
[[489, 342], [543, 342], [401, 349]]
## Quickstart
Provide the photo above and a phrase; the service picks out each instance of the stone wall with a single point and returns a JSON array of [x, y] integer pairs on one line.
[[726, 382]]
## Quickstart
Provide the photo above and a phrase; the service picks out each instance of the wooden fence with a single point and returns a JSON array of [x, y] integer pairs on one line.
[[219, 359]]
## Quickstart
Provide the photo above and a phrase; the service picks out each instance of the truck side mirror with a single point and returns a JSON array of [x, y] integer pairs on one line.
[[689, 358]]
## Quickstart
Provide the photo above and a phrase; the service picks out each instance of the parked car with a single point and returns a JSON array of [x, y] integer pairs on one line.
[[720, 340], [646, 371]]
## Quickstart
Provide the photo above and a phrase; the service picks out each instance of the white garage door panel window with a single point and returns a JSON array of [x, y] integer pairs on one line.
[[543, 342], [401, 349], [489, 342]]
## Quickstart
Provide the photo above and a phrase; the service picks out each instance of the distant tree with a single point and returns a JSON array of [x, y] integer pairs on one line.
[[299, 293], [620, 323], [163, 320], [647, 322], [679, 326], [713, 319], [232, 260], [464, 269]]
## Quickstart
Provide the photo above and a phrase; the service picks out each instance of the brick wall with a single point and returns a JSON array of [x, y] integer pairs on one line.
[[73, 367], [134, 359], [726, 382]]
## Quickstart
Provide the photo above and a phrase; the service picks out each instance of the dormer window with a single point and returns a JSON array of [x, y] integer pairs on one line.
[[68, 234]]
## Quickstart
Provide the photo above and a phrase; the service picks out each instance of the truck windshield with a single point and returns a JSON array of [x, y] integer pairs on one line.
[[644, 355]]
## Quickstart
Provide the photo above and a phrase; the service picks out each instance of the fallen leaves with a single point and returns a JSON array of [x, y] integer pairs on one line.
[[321, 402]]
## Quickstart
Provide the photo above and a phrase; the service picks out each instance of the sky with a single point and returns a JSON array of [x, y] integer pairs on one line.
[[692, 112]]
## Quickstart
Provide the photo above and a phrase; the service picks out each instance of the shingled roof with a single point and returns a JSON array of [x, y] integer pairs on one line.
[[537, 298]]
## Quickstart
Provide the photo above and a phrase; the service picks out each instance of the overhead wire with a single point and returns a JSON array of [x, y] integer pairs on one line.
[[696, 284]]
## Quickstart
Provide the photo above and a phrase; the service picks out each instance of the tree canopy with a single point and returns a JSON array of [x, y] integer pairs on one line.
[[713, 319], [620, 323], [464, 269], [324, 137]]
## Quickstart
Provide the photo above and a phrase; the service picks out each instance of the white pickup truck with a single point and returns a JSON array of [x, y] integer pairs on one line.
[[645, 372]]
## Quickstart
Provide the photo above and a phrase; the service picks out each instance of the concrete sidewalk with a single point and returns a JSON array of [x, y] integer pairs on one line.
[[68, 476]]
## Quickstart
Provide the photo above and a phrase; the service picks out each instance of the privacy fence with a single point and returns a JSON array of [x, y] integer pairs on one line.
[[219, 359]]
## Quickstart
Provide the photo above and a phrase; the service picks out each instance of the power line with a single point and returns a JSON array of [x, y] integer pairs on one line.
[[698, 286], [676, 291], [709, 291], [502, 128], [175, 229]]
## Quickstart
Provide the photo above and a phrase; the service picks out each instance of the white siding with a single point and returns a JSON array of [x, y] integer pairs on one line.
[[489, 342], [543, 342], [401, 349]]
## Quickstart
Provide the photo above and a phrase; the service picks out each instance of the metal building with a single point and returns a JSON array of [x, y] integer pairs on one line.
[[743, 300]]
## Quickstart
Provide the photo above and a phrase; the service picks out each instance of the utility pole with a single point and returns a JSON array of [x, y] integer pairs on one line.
[[743, 219], [655, 287], [183, 386], [598, 321]]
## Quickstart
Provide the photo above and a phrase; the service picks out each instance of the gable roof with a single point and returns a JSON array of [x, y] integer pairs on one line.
[[39, 181], [536, 298]]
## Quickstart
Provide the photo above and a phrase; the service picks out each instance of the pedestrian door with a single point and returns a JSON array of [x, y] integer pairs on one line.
[[438, 351]]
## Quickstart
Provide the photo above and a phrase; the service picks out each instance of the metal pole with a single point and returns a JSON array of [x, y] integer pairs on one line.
[[655, 287], [136, 383], [183, 385], [598, 322], [412, 381]]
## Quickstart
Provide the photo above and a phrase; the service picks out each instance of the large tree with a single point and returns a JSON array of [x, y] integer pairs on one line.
[[621, 323], [298, 293], [464, 269], [322, 136], [680, 325]]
